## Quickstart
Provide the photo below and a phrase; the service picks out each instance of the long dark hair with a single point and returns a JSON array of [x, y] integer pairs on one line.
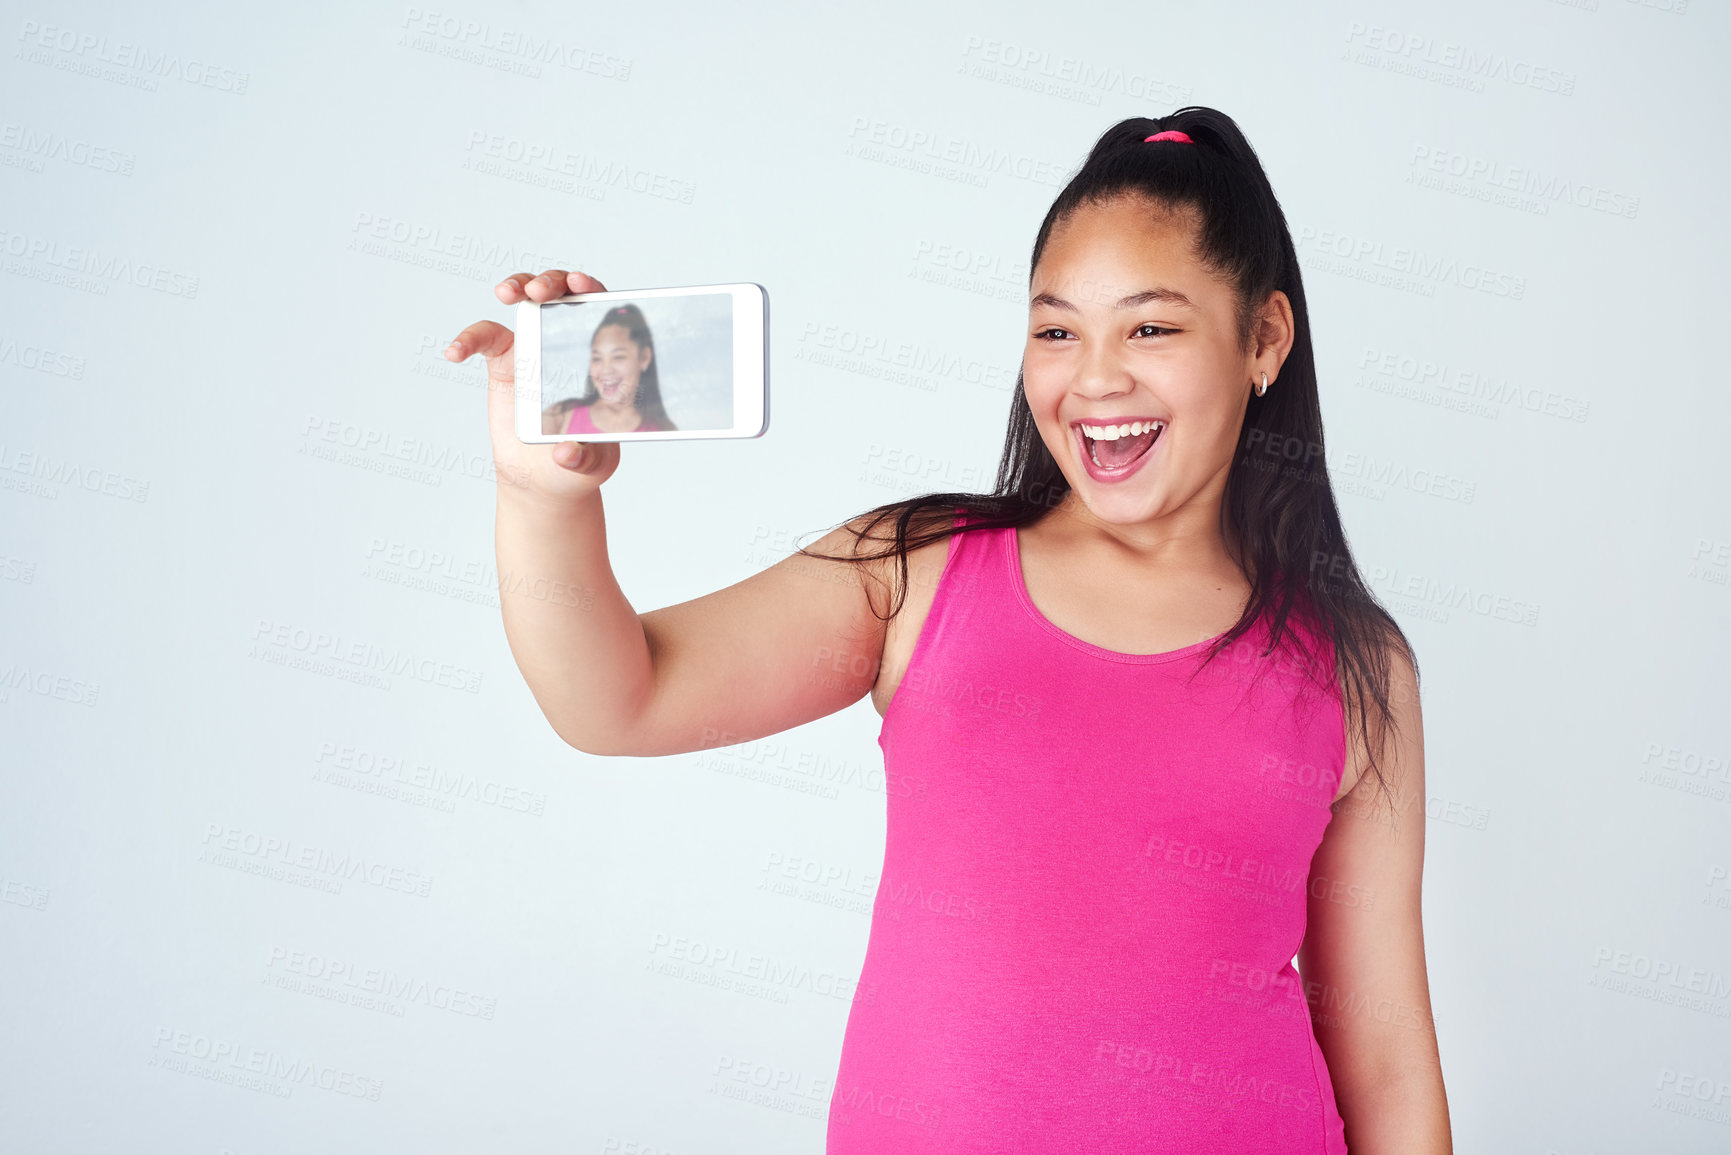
[[648, 400], [1278, 502]]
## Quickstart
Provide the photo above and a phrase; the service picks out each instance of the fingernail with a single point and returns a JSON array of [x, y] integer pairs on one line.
[[453, 347]]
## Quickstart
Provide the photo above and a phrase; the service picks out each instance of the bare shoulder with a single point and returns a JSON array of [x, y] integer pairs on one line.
[[925, 565], [1402, 744], [868, 545], [898, 603]]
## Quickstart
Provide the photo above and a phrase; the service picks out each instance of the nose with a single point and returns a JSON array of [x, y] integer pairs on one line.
[[1101, 372]]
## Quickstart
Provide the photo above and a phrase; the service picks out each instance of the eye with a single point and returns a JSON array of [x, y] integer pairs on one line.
[[1143, 330], [1046, 334]]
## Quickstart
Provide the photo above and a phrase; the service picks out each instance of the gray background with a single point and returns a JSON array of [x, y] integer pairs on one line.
[[693, 339], [246, 514]]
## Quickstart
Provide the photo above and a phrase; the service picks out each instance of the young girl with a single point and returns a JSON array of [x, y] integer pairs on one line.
[[1148, 735], [622, 390]]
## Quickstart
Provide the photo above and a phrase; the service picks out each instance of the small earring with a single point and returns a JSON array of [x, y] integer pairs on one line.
[[1262, 388]]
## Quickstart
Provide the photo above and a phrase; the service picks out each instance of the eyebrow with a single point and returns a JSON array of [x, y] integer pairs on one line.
[[1163, 295]]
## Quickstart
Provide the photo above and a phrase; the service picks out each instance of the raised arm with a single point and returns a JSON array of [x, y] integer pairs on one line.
[[781, 648]]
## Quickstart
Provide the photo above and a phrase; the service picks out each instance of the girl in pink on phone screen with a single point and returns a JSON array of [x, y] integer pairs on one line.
[[622, 391]]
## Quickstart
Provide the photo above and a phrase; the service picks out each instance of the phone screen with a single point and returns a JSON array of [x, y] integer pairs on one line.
[[646, 365]]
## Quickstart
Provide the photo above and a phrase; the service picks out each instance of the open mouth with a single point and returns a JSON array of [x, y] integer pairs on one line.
[[1119, 445]]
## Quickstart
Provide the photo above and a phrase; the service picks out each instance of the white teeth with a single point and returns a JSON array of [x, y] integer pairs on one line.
[[1097, 433], [1114, 432]]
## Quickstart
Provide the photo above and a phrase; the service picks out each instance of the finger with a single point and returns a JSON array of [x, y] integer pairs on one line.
[[549, 286], [510, 290], [488, 338], [583, 283], [494, 342]]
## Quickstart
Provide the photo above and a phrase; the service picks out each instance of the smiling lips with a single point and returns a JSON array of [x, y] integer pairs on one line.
[[1113, 448]]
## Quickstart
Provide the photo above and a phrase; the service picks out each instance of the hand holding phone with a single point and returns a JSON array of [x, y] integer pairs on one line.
[[568, 471]]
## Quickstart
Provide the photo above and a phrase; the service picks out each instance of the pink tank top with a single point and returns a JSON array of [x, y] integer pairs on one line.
[[581, 422], [1093, 887]]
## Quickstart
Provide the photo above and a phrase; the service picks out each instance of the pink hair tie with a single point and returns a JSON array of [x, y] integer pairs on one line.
[[1169, 134]]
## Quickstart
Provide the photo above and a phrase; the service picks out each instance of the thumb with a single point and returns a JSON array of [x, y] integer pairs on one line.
[[570, 454]]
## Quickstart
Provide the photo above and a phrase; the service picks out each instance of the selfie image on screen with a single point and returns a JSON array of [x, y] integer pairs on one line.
[[655, 364]]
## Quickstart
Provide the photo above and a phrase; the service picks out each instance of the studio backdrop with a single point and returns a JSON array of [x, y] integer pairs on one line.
[[290, 859]]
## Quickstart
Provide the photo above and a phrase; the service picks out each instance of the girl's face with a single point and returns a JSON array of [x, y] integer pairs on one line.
[[617, 363], [1125, 326]]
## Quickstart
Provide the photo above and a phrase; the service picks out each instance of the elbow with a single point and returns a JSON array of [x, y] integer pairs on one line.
[[590, 744], [627, 734], [600, 745], [588, 735]]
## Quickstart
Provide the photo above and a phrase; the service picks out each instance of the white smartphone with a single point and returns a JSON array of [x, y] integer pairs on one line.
[[644, 365]]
